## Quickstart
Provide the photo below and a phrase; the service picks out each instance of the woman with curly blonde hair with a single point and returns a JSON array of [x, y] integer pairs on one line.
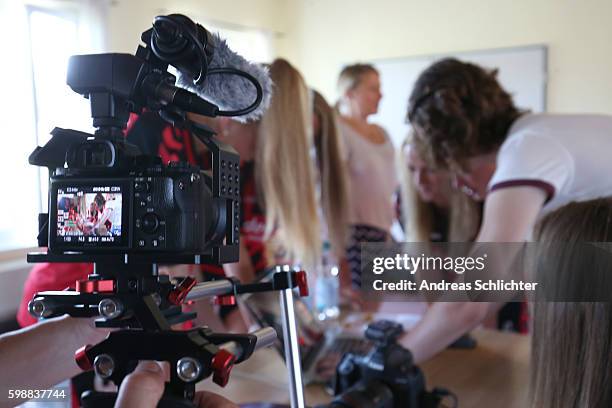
[[521, 165]]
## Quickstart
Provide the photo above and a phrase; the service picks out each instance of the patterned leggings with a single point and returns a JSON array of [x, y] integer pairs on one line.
[[361, 233]]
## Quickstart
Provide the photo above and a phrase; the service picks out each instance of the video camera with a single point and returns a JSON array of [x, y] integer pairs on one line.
[[109, 198], [386, 377], [126, 213]]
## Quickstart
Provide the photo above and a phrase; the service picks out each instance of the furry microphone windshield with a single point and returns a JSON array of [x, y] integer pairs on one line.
[[228, 91]]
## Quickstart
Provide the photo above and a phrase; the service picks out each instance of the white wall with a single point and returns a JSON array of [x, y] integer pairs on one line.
[[328, 33], [127, 19], [319, 36]]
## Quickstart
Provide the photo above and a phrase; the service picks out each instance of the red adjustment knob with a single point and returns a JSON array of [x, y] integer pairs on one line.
[[179, 293], [82, 359], [222, 364], [225, 300], [302, 283], [95, 286]]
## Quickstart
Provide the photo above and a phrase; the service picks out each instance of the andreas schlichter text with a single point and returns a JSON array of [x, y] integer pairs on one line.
[[484, 285]]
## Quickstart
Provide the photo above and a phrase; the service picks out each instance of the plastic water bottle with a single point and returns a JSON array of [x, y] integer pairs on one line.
[[327, 286]]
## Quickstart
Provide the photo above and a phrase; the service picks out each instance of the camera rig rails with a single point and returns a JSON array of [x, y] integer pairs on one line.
[[144, 306]]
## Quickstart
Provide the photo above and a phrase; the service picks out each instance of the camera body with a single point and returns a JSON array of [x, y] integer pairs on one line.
[[105, 197], [111, 199], [386, 377]]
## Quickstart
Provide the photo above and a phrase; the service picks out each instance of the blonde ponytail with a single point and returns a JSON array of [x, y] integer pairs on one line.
[[284, 169]]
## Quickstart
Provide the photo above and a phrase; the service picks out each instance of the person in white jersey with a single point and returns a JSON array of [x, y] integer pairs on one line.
[[521, 165], [370, 160]]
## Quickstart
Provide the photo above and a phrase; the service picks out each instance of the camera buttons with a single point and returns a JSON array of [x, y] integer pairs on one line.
[[150, 223], [141, 186]]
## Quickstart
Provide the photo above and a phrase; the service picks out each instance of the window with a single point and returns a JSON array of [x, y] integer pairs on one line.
[[252, 44], [37, 99]]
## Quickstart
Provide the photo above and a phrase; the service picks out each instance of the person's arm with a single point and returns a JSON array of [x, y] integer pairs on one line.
[[509, 216], [42, 355]]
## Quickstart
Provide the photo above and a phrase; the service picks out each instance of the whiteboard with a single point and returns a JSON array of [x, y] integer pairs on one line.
[[522, 72]]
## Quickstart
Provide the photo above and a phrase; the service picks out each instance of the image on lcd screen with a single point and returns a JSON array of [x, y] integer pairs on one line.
[[89, 214]]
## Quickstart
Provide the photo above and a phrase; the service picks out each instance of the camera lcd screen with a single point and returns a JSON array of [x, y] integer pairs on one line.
[[89, 215]]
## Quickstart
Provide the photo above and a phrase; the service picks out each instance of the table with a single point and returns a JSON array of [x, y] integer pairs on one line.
[[495, 373]]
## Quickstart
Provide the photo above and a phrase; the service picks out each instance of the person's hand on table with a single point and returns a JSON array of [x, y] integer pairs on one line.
[[144, 387], [326, 367]]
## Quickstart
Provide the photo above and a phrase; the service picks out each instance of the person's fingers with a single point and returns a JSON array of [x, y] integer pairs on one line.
[[205, 399], [165, 366], [143, 388]]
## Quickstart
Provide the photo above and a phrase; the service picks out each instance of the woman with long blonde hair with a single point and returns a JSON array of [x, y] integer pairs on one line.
[[285, 171]]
